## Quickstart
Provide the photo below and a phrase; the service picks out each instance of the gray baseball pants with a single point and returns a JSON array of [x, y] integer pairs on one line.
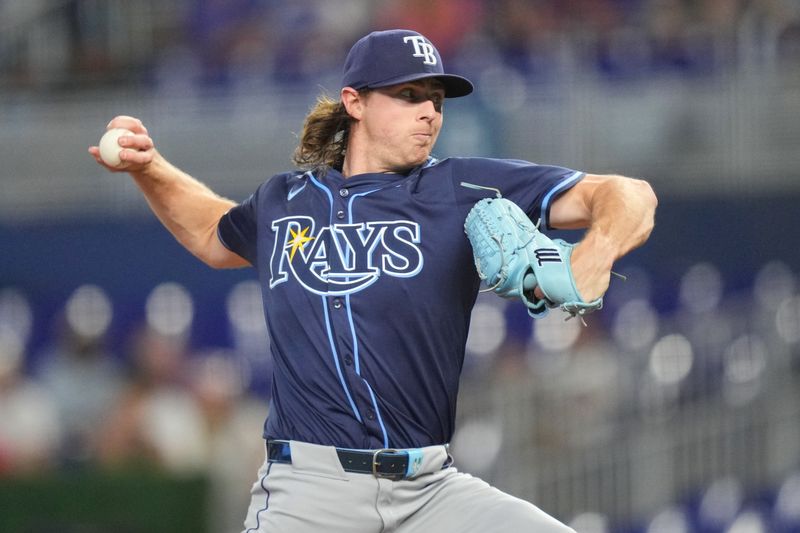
[[315, 494]]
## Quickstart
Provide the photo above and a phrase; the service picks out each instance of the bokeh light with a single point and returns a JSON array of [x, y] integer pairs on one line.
[[487, 329], [744, 363], [635, 325], [478, 443], [16, 312], [772, 283], [748, 522], [245, 308], [787, 319], [701, 288], [169, 309], [670, 520], [555, 334], [671, 359], [89, 311], [590, 523], [721, 502], [787, 502]]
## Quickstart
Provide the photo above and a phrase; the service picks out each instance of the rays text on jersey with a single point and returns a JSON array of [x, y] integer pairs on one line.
[[343, 258]]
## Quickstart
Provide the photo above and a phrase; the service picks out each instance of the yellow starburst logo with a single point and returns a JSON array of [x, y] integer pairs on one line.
[[298, 241]]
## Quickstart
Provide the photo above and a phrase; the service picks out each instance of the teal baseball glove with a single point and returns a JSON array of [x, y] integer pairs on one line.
[[513, 257]]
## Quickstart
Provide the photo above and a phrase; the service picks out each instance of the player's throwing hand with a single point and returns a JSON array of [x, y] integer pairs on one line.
[[136, 151]]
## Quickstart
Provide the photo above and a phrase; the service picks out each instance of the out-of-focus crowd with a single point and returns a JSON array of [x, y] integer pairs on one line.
[[159, 406], [260, 42], [157, 400]]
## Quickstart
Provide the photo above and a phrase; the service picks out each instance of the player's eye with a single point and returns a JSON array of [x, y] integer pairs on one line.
[[407, 93], [416, 96]]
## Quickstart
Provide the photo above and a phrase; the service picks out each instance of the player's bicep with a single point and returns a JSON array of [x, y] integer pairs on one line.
[[236, 236], [573, 208]]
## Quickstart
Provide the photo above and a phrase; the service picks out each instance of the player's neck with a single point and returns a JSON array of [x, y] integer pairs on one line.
[[354, 166], [357, 163]]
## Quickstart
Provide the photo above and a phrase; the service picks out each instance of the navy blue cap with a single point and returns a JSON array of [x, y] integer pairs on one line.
[[389, 57]]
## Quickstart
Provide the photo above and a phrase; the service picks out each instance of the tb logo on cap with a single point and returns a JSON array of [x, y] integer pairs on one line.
[[422, 48]]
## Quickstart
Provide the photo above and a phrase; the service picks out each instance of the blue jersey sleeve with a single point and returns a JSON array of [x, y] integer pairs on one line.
[[237, 229], [533, 187]]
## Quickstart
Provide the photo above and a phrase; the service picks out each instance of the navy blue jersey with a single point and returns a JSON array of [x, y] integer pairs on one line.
[[368, 285]]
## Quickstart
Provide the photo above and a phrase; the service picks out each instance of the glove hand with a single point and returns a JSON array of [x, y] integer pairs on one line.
[[556, 281], [501, 234], [516, 260]]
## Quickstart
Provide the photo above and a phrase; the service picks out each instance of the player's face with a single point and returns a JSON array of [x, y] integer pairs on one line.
[[402, 123]]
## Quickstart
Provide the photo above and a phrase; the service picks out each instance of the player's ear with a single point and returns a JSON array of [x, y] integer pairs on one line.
[[353, 102]]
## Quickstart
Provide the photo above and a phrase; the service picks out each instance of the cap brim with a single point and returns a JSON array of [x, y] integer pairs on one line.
[[454, 86]]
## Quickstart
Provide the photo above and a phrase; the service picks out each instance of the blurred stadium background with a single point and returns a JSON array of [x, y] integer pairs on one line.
[[134, 380]]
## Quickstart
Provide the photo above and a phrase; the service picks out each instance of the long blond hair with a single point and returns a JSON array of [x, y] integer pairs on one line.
[[323, 141]]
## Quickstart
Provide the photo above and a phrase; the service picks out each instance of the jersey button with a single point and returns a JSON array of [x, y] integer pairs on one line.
[[344, 193], [337, 303], [371, 415], [340, 214], [348, 359]]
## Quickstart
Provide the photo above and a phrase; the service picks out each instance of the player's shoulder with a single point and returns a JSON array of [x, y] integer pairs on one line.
[[477, 164], [282, 184], [285, 179], [442, 178]]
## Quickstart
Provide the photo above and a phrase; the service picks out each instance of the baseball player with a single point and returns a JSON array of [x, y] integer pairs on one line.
[[368, 283]]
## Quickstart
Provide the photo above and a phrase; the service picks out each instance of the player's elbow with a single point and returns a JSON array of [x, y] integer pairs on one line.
[[649, 199], [647, 202]]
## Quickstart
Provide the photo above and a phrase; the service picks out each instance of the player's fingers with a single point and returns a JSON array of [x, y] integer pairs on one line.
[[131, 159], [138, 141], [94, 151], [128, 123]]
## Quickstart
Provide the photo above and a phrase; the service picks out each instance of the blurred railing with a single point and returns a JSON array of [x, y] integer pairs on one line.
[[721, 136], [578, 422], [602, 102]]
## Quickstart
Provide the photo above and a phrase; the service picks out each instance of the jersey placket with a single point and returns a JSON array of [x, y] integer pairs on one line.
[[343, 329]]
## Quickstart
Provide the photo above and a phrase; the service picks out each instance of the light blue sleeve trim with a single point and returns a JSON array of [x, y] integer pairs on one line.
[[327, 192], [570, 180]]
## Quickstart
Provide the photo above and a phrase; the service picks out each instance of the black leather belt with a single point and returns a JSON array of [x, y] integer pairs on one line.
[[386, 463]]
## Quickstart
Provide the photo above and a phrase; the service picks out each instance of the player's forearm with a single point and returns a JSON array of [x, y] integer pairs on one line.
[[186, 207], [622, 215]]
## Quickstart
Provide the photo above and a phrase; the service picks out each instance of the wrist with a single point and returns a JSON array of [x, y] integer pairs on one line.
[[152, 170], [601, 247]]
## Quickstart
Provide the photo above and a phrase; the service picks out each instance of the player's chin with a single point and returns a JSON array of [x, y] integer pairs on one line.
[[420, 155]]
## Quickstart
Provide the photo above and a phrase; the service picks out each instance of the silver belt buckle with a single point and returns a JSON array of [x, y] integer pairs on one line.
[[376, 463]]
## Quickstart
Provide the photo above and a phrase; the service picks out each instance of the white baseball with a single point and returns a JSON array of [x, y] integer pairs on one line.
[[109, 146]]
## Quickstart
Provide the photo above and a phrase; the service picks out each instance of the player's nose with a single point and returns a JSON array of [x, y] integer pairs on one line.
[[427, 109]]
